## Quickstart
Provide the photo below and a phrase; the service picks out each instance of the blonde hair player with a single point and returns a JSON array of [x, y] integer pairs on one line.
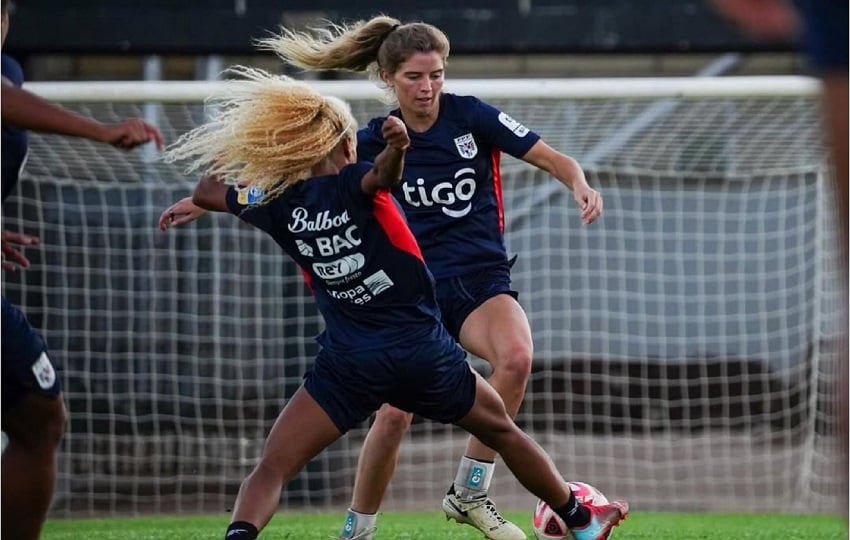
[[293, 152], [451, 194]]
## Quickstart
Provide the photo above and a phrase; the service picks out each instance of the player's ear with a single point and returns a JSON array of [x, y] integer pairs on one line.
[[349, 149], [386, 77]]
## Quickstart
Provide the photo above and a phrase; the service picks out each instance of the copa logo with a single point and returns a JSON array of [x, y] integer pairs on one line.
[[446, 195]]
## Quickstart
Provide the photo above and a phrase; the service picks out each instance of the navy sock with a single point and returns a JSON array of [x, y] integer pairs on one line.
[[241, 530], [573, 514]]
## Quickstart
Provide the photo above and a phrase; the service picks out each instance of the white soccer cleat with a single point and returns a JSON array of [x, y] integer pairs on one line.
[[481, 513]]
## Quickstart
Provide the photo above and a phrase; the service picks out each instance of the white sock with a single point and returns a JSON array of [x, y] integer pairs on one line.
[[355, 522], [473, 478]]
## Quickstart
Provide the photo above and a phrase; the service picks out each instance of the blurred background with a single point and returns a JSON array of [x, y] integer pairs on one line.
[[685, 345], [99, 40]]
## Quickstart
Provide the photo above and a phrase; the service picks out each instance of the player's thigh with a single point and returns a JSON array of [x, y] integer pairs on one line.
[[498, 331], [33, 409], [37, 421], [488, 419], [301, 431]]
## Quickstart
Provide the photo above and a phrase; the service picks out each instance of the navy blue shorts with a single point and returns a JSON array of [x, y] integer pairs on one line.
[[26, 366], [428, 376], [459, 296]]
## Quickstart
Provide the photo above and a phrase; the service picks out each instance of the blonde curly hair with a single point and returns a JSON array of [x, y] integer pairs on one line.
[[267, 132]]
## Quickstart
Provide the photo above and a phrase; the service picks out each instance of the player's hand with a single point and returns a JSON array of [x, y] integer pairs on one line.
[[395, 133], [11, 255], [180, 213], [590, 202], [131, 133]]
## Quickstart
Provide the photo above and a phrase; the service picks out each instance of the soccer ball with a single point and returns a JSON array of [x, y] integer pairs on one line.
[[549, 526]]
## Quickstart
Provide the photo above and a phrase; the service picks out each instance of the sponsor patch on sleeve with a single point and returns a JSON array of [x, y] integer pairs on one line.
[[44, 372], [518, 129], [249, 195]]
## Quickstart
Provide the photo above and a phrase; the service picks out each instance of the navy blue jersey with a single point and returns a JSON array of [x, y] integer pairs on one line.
[[451, 191], [357, 254], [825, 34], [14, 143]]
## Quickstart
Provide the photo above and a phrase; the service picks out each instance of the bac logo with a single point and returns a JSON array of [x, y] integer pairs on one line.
[[303, 248]]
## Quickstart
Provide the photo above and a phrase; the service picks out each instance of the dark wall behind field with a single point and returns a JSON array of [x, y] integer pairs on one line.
[[474, 26]]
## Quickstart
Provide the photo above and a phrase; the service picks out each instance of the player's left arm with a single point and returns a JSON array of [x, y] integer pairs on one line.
[[568, 171], [503, 132]]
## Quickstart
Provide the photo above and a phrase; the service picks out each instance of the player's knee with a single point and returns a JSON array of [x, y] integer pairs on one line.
[[393, 421], [514, 363], [269, 466], [498, 434]]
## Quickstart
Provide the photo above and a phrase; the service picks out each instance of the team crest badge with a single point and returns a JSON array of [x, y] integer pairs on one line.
[[466, 146]]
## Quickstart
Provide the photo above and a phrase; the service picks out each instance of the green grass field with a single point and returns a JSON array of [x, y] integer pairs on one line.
[[432, 526]]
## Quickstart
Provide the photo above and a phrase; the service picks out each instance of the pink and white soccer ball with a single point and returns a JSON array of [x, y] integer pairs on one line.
[[549, 526]]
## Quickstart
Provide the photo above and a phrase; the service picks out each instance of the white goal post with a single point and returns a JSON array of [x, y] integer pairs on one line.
[[591, 88], [684, 344]]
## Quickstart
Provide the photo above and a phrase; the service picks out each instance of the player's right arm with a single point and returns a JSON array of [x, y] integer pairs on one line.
[[26, 110], [214, 195], [180, 213], [209, 195], [389, 164]]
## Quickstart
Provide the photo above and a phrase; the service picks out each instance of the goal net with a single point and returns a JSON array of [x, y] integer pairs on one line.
[[685, 344]]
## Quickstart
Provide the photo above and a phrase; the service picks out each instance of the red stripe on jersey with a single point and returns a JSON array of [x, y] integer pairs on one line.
[[495, 158], [395, 226], [307, 279]]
